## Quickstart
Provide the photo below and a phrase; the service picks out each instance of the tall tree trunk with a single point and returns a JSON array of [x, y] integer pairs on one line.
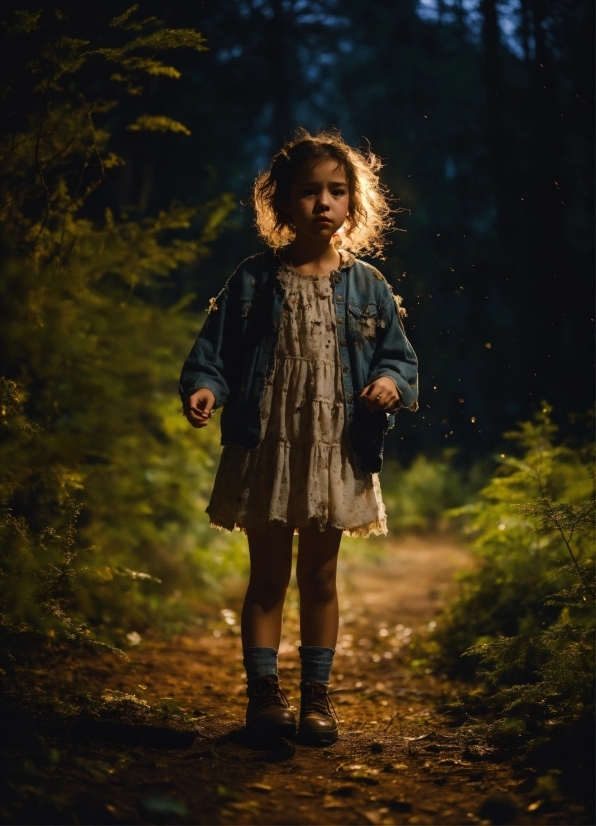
[[283, 61], [496, 138], [524, 30], [548, 137], [460, 21], [544, 270]]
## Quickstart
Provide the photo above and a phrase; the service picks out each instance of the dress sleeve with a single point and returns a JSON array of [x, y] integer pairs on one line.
[[394, 356]]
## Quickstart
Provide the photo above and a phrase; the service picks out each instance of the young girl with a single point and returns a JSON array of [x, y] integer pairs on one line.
[[305, 350]]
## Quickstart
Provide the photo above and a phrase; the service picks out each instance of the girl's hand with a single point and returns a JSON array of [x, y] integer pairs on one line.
[[382, 394], [198, 407]]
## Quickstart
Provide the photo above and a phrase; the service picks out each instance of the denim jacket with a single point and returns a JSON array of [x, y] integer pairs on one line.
[[234, 352]]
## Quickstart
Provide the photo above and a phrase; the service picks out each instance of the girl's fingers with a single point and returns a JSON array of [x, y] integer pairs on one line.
[[378, 397], [197, 418], [375, 405], [198, 408]]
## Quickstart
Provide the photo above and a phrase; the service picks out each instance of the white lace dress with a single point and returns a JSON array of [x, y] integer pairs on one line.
[[302, 472]]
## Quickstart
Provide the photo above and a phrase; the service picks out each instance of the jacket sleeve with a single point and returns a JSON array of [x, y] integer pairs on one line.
[[205, 365], [394, 355]]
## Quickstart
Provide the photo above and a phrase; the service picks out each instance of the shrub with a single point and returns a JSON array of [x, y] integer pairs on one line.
[[524, 619], [102, 483], [417, 497]]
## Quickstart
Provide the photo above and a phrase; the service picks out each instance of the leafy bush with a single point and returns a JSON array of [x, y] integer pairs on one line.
[[417, 497], [102, 483], [525, 617]]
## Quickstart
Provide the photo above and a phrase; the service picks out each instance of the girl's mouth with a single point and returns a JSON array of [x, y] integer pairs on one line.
[[322, 220]]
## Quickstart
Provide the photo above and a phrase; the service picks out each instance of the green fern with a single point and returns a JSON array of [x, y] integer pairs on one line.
[[523, 624]]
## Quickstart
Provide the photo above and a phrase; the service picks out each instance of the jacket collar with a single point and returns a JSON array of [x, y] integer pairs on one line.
[[347, 260]]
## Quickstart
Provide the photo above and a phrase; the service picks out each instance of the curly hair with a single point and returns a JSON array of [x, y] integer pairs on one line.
[[369, 212]]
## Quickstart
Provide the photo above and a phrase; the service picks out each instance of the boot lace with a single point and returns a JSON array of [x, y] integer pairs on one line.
[[268, 694], [317, 699]]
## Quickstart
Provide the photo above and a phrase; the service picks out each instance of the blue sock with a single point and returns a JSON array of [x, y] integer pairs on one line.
[[316, 663], [259, 661]]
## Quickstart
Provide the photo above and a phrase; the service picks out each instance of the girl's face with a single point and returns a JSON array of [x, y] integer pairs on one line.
[[319, 200]]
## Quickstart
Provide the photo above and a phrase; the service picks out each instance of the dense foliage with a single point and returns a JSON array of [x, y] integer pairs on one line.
[[524, 620], [418, 495], [102, 483]]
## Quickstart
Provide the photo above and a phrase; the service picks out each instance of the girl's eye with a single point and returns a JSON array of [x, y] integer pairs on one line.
[[339, 192]]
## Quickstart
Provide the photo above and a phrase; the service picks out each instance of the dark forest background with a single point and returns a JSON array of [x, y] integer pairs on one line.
[[484, 114]]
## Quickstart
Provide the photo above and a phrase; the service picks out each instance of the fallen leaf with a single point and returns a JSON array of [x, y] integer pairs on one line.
[[372, 817], [260, 787], [533, 807], [362, 773], [330, 803], [245, 806], [365, 776]]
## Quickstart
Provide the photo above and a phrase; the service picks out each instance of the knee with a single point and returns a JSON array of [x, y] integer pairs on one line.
[[317, 584], [267, 587]]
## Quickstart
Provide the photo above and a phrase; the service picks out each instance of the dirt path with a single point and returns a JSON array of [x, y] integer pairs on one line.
[[399, 758]]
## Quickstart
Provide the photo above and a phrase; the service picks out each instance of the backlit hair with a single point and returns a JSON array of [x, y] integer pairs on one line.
[[369, 213]]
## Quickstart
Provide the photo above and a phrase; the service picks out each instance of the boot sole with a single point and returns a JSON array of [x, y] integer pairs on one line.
[[317, 739]]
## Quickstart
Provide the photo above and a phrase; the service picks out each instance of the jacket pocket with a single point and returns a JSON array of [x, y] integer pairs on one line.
[[363, 321]]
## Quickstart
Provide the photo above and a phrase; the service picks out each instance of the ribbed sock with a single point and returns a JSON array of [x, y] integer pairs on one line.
[[259, 661], [316, 663]]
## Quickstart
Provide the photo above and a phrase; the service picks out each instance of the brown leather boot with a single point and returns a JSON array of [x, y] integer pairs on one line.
[[318, 718], [268, 713]]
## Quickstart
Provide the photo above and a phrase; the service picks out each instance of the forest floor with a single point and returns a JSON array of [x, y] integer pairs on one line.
[[159, 738]]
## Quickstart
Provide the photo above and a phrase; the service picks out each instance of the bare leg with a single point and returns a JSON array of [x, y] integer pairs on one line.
[[270, 569], [316, 572]]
